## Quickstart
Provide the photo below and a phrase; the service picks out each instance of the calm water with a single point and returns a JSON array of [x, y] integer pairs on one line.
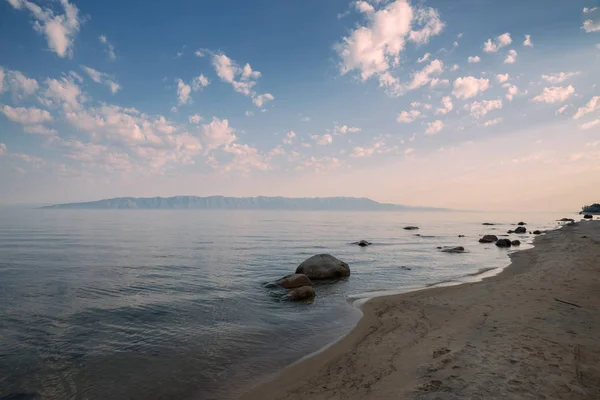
[[171, 304]]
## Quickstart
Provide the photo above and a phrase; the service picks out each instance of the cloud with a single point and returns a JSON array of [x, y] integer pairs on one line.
[[511, 57], [491, 122], [408, 151], [261, 99], [343, 129], [3, 149], [374, 48], [108, 47], [200, 53], [479, 109], [322, 140], [408, 116], [195, 119], [500, 42], [217, 133], [63, 91], [320, 164], [183, 92], [424, 58], [591, 124], [555, 94], [376, 148], [512, 90], [26, 116], [289, 137], [2, 79], [591, 106], [434, 127], [364, 7], [103, 78], [200, 82], [589, 10], [20, 86], [527, 42], [473, 60], [304, 119], [249, 113], [591, 26], [501, 78], [467, 87], [454, 67], [245, 158], [562, 109], [39, 130], [559, 77], [59, 29], [437, 83], [447, 106], [423, 77]]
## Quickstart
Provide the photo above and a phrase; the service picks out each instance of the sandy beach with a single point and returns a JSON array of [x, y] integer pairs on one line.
[[531, 332]]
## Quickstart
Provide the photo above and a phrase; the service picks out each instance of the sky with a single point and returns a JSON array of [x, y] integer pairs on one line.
[[469, 104]]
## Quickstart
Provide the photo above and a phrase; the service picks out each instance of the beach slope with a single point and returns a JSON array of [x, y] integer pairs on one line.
[[532, 331]]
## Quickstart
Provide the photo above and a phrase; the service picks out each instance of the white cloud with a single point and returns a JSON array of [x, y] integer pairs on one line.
[[408, 151], [589, 10], [591, 26], [289, 137], [376, 148], [434, 127], [527, 42], [511, 57], [555, 94], [562, 109], [323, 140], [195, 119], [437, 82], [103, 78], [467, 87], [512, 91], [183, 92], [217, 133], [200, 53], [374, 48], [1, 79], [320, 164], [39, 130], [454, 67], [248, 73], [408, 116], [199, 82], [64, 91], [447, 106], [60, 29], [479, 109], [501, 78], [491, 122], [591, 124], [559, 77], [304, 119], [424, 58], [500, 42], [108, 47], [26, 116], [20, 85], [343, 129], [423, 77], [364, 7], [261, 99], [245, 158], [591, 106], [3, 149], [455, 44], [249, 113], [474, 59]]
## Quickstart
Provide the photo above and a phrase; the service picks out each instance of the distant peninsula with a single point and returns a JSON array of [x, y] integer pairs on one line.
[[239, 203]]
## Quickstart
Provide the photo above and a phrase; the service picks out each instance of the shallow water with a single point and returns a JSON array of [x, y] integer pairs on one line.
[[171, 304]]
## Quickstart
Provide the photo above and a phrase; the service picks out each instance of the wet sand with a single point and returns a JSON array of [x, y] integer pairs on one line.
[[531, 332]]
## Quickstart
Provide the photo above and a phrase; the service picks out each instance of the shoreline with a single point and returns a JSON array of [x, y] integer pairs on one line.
[[371, 362]]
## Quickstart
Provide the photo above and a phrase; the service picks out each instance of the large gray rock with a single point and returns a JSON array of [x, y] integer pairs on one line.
[[301, 293], [323, 266], [294, 281], [521, 229], [488, 239], [457, 249], [503, 243]]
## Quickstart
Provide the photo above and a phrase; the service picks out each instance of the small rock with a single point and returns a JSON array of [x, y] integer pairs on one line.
[[461, 235], [510, 232], [521, 229], [515, 243], [406, 268], [363, 243], [566, 220], [536, 232], [503, 243], [488, 224], [293, 281], [588, 216], [521, 223], [411, 228], [301, 293], [457, 249], [440, 352], [488, 239]]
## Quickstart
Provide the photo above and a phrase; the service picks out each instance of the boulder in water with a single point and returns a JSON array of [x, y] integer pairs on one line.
[[488, 239], [537, 232], [323, 266], [301, 293], [488, 224], [461, 235], [521, 229], [363, 243], [504, 243], [411, 228], [521, 223], [588, 216], [510, 232], [515, 243], [293, 281], [566, 220], [457, 249]]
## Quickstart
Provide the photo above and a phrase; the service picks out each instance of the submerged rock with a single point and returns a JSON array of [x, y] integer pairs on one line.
[[510, 232], [566, 220], [411, 228], [301, 293], [488, 224], [521, 229], [503, 243], [457, 249], [521, 223], [363, 243], [323, 266], [293, 281], [588, 216], [515, 243], [405, 268], [537, 232], [488, 239], [461, 235]]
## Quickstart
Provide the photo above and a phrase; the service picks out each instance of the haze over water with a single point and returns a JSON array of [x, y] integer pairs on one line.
[[171, 304]]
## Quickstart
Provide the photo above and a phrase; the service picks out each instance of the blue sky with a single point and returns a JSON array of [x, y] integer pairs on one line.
[[457, 104]]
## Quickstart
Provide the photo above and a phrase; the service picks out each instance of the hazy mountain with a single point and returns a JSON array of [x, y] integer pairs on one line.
[[239, 203]]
